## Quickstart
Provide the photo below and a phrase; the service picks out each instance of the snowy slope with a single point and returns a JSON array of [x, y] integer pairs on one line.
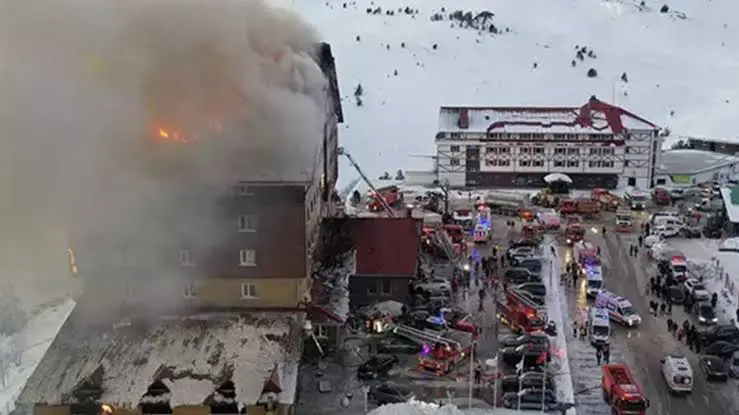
[[686, 65], [421, 408], [32, 344]]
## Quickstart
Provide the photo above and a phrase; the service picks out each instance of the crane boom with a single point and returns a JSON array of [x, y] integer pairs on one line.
[[342, 152]]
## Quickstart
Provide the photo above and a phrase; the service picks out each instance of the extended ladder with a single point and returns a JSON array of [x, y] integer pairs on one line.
[[423, 337]]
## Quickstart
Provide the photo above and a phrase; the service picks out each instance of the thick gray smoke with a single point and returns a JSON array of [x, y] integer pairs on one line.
[[124, 122]]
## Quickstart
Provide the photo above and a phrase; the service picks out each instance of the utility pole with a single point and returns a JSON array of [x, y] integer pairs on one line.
[[544, 392], [495, 381], [472, 373]]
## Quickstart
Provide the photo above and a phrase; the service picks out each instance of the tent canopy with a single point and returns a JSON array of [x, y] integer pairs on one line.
[[557, 177]]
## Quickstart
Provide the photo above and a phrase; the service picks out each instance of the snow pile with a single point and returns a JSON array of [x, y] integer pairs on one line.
[[560, 364], [335, 280]]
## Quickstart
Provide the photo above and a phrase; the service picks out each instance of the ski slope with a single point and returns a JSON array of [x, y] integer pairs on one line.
[[683, 63], [30, 345]]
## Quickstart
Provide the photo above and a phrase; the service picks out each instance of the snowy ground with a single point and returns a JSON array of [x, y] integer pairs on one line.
[[421, 408], [21, 352], [555, 296], [664, 55]]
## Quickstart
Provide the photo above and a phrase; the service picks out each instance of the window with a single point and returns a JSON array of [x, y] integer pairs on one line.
[[538, 150], [320, 331], [371, 288], [661, 182], [626, 164], [560, 150], [454, 149], [572, 150], [607, 163], [628, 150], [455, 135], [572, 163], [524, 150], [525, 136], [491, 162], [491, 150], [190, 290], [185, 258], [242, 190], [595, 136], [606, 151], [593, 164], [246, 223], [524, 163], [504, 163], [385, 288], [594, 151], [538, 163], [504, 150], [559, 163], [571, 137], [247, 258], [454, 162], [248, 291]]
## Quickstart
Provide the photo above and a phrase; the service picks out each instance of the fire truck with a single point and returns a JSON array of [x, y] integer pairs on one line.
[[574, 230], [531, 233], [440, 350], [390, 194], [621, 391], [586, 254], [521, 311]]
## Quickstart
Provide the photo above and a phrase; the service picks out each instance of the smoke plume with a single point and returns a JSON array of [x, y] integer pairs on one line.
[[123, 123]]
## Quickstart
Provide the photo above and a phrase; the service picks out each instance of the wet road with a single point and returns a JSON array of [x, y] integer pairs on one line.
[[640, 348]]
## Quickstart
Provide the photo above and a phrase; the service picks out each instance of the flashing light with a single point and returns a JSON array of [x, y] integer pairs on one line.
[[425, 350], [466, 267], [438, 320]]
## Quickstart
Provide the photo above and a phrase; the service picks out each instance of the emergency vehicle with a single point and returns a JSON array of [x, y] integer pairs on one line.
[[594, 277], [440, 356], [549, 219], [585, 253], [621, 391], [531, 233], [619, 308], [464, 218], [678, 265], [624, 221], [574, 230], [521, 311], [599, 326], [390, 194], [481, 234], [677, 374]]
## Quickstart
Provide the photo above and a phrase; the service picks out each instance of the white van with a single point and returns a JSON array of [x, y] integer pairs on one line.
[[636, 199], [599, 326], [619, 308], [677, 373], [594, 276], [674, 221]]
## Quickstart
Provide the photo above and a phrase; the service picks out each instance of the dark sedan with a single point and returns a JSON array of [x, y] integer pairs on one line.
[[722, 349], [395, 346], [714, 368], [515, 341], [388, 393], [377, 365], [531, 399], [675, 295], [530, 352], [528, 380], [704, 313]]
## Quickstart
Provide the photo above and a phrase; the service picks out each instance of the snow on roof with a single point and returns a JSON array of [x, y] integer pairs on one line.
[[687, 161], [192, 356], [423, 408], [594, 117], [730, 196]]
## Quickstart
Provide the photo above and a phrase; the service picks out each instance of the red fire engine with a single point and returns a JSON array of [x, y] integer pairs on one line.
[[522, 312], [621, 391]]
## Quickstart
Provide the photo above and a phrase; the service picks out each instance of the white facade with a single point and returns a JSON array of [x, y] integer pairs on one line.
[[476, 146]]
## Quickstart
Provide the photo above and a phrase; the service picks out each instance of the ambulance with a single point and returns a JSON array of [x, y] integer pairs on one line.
[[594, 277], [599, 326], [619, 308], [481, 234]]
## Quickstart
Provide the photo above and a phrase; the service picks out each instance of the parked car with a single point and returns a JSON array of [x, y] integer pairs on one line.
[[532, 263], [691, 232], [377, 365], [536, 288], [734, 365], [675, 295], [518, 275], [521, 252], [531, 352], [696, 290], [528, 380], [532, 399], [704, 313], [436, 285], [395, 346], [722, 349], [515, 341], [385, 393], [725, 332], [714, 368]]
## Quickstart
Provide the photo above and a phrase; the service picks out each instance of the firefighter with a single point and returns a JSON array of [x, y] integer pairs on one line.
[[598, 355], [604, 231], [606, 353], [574, 329], [481, 294], [583, 332], [714, 300], [641, 241], [478, 374]]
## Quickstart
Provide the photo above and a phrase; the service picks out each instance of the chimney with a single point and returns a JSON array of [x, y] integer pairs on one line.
[[464, 118]]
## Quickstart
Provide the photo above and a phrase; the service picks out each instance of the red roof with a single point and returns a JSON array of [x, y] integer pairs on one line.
[[387, 246]]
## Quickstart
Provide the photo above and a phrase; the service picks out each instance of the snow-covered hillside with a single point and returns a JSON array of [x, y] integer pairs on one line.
[[681, 65]]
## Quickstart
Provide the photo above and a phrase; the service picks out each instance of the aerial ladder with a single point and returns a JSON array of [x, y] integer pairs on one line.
[[342, 152]]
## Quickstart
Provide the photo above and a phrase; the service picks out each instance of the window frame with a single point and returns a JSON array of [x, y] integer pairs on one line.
[[243, 257], [249, 291]]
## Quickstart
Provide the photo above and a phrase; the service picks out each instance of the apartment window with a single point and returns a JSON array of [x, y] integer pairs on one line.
[[606, 151], [626, 163], [525, 150], [504, 150], [190, 290], [595, 136], [454, 162], [491, 162], [593, 164], [525, 136], [243, 190], [661, 182], [538, 150], [504, 163], [247, 258], [572, 163], [491, 150], [320, 331], [538, 163], [385, 288], [560, 150], [246, 223], [372, 288], [455, 135], [628, 150], [606, 163], [524, 163], [454, 149], [559, 163], [185, 257], [248, 291], [571, 137], [572, 150]]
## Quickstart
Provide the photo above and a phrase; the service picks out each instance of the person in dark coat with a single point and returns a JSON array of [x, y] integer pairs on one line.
[[641, 241], [606, 353], [714, 300], [598, 355]]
